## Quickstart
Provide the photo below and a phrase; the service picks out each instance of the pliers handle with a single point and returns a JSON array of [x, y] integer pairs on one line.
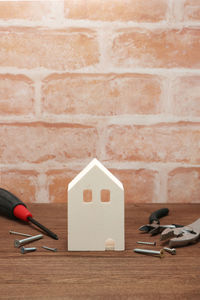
[[156, 215]]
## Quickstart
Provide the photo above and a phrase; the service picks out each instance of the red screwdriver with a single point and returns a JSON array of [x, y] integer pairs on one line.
[[13, 207]]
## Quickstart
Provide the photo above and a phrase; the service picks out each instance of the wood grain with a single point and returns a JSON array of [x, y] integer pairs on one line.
[[98, 275]]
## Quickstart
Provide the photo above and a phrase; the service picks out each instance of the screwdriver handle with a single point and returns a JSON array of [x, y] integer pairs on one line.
[[12, 207]]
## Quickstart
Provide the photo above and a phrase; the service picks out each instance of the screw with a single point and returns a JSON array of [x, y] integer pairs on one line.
[[19, 233], [26, 250], [170, 250], [48, 248], [147, 243], [18, 243], [151, 252]]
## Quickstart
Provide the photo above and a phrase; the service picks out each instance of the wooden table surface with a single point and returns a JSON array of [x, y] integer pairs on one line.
[[98, 275]]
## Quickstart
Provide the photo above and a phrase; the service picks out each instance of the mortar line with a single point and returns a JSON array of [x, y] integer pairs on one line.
[[99, 70], [69, 165], [121, 120], [65, 23]]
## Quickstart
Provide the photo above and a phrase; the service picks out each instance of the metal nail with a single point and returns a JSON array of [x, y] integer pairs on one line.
[[150, 252], [18, 243], [170, 250], [147, 243], [19, 233], [26, 250], [48, 248]]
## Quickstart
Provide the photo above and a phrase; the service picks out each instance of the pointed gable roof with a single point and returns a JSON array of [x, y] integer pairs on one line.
[[92, 164]]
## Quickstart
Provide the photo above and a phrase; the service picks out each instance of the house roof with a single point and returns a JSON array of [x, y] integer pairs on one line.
[[91, 165]]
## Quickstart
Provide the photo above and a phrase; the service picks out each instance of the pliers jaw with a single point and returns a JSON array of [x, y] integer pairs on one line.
[[154, 229], [150, 228]]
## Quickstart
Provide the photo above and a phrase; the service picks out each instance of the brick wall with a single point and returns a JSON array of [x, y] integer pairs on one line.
[[117, 80]]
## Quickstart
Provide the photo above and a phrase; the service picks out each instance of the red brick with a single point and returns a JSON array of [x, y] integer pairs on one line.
[[186, 96], [52, 49], [192, 10], [102, 94], [28, 10], [57, 181], [186, 10], [42, 142], [16, 95], [21, 183], [154, 143], [183, 185], [117, 10], [158, 48], [139, 185]]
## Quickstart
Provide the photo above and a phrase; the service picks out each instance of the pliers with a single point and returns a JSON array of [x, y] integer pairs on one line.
[[179, 237], [154, 226]]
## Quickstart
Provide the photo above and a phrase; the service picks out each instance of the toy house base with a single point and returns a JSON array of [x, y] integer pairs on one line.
[[95, 210]]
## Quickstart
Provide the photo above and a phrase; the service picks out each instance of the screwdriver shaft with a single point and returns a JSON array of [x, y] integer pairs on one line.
[[49, 232]]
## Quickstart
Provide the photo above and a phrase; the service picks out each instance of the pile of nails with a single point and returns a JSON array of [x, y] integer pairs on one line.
[[159, 253], [29, 238]]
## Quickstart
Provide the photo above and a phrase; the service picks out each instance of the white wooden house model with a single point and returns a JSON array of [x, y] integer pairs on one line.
[[95, 210]]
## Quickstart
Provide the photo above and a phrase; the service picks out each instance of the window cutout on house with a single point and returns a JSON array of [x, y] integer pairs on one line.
[[105, 195], [87, 196]]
